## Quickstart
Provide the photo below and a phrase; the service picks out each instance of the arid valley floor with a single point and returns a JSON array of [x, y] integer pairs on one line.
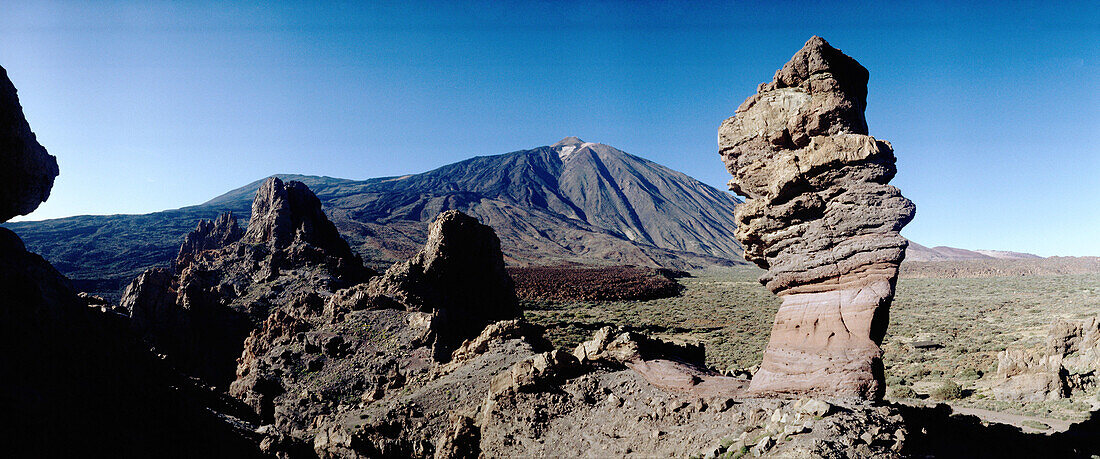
[[964, 320]]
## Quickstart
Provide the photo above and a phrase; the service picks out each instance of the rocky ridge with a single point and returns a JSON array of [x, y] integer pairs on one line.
[[821, 219], [209, 235]]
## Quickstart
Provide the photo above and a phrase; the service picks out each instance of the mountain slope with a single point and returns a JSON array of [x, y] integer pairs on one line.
[[571, 202], [917, 252]]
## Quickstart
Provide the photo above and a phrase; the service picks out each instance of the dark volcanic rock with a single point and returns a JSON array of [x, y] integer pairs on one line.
[[591, 283], [459, 277], [78, 383], [209, 235], [26, 170], [370, 345], [821, 219]]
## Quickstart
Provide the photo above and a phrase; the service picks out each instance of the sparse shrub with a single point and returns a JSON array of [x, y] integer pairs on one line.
[[902, 392], [970, 374], [949, 390], [892, 381], [1035, 424]]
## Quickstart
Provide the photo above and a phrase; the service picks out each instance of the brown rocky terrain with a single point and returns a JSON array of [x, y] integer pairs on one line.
[[917, 252], [1068, 364], [275, 341], [821, 219], [1000, 267], [199, 318]]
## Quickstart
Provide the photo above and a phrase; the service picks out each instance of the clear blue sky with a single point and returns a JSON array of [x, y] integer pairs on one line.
[[993, 108]]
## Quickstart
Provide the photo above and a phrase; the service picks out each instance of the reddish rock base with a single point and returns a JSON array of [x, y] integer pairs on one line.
[[827, 342]]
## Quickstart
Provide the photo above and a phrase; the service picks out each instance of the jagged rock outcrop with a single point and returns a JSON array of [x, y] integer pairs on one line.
[[228, 284], [360, 372], [27, 171], [209, 235], [1068, 364], [821, 219], [1029, 376], [459, 278]]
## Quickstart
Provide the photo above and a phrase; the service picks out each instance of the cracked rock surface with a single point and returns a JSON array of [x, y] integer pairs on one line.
[[821, 219]]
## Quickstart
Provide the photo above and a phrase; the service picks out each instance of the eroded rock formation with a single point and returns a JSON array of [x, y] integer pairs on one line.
[[1066, 365], [209, 235], [459, 278], [26, 169], [227, 284], [821, 219]]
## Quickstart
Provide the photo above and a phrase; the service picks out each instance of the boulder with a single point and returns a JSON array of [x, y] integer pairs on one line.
[[669, 366], [1029, 376], [461, 441], [611, 345], [535, 373], [1068, 364], [27, 171], [821, 219]]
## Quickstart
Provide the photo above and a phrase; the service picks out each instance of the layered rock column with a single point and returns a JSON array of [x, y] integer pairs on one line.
[[821, 219]]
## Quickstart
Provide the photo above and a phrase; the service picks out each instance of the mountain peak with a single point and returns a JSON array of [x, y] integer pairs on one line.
[[568, 142], [568, 146]]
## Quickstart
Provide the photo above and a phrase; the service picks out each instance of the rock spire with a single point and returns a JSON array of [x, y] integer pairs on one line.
[[458, 277], [821, 219]]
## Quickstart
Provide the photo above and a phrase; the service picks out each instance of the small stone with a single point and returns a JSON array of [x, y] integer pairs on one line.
[[867, 438], [726, 404], [776, 416], [762, 446], [815, 407]]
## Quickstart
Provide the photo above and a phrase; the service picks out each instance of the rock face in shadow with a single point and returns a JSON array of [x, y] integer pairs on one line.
[[26, 169], [226, 284], [821, 219], [209, 235], [76, 382], [459, 278]]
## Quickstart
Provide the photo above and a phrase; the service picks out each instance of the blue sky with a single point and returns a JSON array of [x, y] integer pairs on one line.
[[993, 108]]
